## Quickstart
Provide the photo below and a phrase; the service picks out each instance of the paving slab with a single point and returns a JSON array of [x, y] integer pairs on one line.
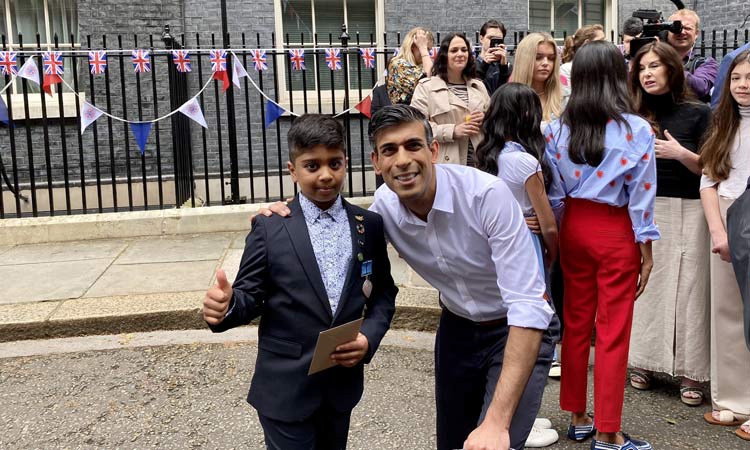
[[27, 312], [238, 239], [49, 281], [152, 278], [5, 248], [127, 305], [199, 247], [231, 264], [62, 251]]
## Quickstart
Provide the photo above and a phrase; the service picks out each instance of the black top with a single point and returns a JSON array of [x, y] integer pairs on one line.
[[687, 122]]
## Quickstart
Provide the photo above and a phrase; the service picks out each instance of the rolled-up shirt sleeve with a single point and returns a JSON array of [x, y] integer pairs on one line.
[[641, 186], [519, 276]]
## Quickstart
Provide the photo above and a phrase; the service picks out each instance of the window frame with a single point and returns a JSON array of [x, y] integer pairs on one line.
[[33, 100], [326, 104], [609, 16]]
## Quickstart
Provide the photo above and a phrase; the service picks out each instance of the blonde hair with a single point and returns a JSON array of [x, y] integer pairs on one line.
[[687, 13], [582, 36], [523, 72], [405, 51]]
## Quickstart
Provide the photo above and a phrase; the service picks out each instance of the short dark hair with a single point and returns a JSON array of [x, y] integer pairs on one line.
[[633, 26], [441, 62], [492, 23], [393, 116], [311, 130]]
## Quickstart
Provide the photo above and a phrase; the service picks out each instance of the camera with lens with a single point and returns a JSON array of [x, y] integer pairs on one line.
[[654, 27]]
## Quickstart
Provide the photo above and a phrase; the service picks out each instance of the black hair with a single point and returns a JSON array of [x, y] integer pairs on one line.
[[441, 63], [492, 23], [600, 93], [393, 116], [633, 26], [311, 130], [514, 114]]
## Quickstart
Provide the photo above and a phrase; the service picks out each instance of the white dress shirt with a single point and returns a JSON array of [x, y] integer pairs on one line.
[[475, 248]]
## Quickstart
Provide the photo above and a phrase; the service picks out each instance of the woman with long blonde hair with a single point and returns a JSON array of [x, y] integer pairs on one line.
[[537, 65], [412, 62]]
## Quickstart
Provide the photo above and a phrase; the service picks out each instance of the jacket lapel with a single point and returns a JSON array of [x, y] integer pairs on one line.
[[300, 238], [354, 266]]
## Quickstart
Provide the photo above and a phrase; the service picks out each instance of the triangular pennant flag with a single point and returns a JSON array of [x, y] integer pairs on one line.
[[141, 131], [49, 80], [29, 70], [364, 106], [89, 114], [4, 112], [238, 72], [273, 112], [222, 76], [192, 109]]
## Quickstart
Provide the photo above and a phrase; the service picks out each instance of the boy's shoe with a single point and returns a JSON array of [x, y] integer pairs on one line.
[[541, 422], [629, 444], [555, 371], [580, 433], [541, 437]]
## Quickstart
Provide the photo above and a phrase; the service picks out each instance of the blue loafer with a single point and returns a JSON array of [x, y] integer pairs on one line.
[[629, 444], [580, 433]]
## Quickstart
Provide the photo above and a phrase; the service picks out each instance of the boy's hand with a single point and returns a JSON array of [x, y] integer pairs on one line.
[[216, 301], [352, 352]]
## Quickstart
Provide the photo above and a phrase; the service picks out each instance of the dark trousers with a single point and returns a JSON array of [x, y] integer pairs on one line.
[[325, 430], [468, 362]]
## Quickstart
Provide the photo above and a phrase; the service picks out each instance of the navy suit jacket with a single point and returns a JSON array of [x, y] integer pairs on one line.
[[279, 281]]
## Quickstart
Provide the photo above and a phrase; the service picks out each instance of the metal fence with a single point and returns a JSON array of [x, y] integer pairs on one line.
[[50, 168]]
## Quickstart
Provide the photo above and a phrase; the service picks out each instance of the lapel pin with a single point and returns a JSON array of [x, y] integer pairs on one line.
[[360, 228], [359, 218], [360, 257]]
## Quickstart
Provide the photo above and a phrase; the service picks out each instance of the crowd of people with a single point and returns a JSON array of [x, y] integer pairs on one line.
[[616, 180]]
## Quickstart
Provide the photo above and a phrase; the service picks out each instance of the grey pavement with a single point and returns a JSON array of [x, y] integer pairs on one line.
[[187, 389], [129, 272]]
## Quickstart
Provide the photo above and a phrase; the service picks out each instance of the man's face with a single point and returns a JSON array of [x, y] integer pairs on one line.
[[405, 160], [684, 41], [626, 38], [490, 34]]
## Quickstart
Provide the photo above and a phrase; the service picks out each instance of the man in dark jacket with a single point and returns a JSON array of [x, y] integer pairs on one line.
[[492, 61]]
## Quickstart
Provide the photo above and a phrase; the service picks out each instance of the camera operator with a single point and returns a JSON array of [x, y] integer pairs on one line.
[[631, 29], [700, 71], [492, 61]]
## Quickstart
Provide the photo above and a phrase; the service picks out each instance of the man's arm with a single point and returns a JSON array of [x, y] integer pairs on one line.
[[702, 80]]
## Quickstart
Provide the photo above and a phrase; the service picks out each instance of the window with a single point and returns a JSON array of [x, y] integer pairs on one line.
[[48, 18], [300, 22], [566, 16]]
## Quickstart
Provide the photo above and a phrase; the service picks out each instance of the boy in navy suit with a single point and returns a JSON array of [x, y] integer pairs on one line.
[[324, 265]]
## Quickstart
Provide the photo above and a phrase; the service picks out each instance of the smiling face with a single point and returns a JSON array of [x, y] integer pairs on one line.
[[546, 57], [458, 55], [319, 172], [405, 160], [740, 83], [653, 75]]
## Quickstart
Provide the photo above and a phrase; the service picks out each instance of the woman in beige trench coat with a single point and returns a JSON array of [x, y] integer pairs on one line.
[[454, 101]]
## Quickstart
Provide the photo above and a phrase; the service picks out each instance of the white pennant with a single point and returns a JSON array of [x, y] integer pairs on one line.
[[89, 114], [192, 109], [29, 70], [238, 72]]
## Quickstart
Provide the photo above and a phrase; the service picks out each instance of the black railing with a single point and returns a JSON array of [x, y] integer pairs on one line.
[[50, 168]]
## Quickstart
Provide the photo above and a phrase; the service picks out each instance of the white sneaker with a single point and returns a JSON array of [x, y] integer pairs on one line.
[[542, 423], [540, 437], [555, 371]]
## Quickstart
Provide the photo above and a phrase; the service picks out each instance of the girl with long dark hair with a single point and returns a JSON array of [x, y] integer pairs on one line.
[[604, 155], [726, 167]]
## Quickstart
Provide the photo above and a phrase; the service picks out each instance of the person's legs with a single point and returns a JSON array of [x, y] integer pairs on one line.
[[331, 428], [288, 435], [459, 381]]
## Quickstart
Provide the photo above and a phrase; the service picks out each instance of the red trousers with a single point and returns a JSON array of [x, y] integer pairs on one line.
[[601, 263]]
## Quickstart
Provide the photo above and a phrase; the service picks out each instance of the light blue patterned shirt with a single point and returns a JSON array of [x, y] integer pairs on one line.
[[331, 240]]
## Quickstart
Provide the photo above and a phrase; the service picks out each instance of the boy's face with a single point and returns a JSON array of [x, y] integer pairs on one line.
[[320, 173], [404, 158]]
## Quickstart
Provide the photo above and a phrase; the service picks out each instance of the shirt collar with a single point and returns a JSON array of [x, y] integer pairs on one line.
[[513, 146], [312, 213]]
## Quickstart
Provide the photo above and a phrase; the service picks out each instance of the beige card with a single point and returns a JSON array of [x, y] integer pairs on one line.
[[328, 341]]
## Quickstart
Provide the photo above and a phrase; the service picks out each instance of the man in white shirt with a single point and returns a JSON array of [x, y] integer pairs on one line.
[[463, 232]]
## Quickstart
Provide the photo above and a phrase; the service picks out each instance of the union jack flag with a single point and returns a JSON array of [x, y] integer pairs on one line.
[[297, 58], [259, 59], [98, 62], [218, 60], [53, 63], [333, 58], [141, 61], [181, 60], [8, 65], [368, 56]]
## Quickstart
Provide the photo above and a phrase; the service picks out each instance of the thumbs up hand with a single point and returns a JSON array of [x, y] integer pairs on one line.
[[216, 301]]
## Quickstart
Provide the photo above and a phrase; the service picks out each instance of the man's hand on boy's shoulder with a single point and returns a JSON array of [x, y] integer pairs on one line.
[[216, 301], [279, 208], [352, 352]]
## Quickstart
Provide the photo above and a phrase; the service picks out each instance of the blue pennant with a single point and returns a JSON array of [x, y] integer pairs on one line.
[[141, 131], [273, 112], [4, 113]]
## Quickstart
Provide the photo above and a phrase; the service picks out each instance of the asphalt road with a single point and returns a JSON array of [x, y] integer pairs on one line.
[[141, 392]]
